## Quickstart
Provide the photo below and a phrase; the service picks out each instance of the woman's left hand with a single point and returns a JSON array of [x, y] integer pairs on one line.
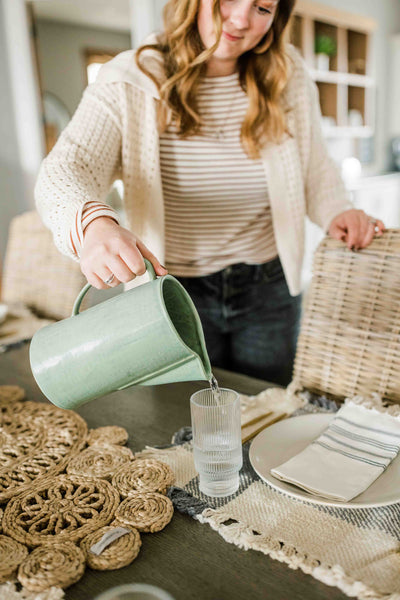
[[355, 228]]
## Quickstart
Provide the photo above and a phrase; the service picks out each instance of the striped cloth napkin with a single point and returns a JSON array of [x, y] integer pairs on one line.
[[347, 457]]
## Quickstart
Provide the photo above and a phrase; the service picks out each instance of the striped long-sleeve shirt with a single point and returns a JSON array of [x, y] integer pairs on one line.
[[217, 210]]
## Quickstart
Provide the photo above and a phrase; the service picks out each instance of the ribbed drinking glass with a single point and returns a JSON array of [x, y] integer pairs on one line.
[[217, 444]]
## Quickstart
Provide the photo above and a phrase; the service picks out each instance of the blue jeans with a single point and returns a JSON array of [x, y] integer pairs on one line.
[[249, 319]]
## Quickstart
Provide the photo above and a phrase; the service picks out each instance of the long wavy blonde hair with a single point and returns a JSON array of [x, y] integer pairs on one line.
[[263, 73]]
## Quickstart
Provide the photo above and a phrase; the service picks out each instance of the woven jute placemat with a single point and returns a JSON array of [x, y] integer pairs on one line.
[[143, 475], [99, 461], [55, 564], [37, 440], [48, 512], [110, 434], [148, 512], [62, 508], [12, 554], [119, 553]]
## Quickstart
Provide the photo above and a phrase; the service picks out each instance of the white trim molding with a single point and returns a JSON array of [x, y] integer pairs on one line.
[[24, 91]]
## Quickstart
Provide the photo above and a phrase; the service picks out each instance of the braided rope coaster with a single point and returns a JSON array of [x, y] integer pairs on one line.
[[100, 461], [12, 554], [55, 564], [119, 553], [147, 512], [60, 508], [36, 441], [143, 475], [111, 434]]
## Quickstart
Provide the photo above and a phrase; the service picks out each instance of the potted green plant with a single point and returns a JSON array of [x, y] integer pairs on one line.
[[325, 48]]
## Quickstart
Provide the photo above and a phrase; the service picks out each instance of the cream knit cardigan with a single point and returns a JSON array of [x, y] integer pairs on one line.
[[113, 133]]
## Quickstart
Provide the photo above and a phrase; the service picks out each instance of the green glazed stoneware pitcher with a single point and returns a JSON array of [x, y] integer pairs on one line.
[[148, 335]]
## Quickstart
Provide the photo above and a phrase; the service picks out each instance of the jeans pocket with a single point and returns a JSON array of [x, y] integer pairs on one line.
[[272, 271]]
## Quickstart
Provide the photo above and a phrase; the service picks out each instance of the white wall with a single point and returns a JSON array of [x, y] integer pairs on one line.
[[61, 47], [21, 133], [146, 17], [159, 5], [11, 187], [394, 86]]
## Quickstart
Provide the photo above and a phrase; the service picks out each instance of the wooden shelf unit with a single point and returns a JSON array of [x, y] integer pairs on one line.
[[347, 89]]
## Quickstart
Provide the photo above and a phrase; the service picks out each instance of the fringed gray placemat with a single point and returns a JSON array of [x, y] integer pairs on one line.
[[356, 550]]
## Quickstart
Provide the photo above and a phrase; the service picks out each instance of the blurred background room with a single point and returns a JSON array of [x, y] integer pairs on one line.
[[50, 50]]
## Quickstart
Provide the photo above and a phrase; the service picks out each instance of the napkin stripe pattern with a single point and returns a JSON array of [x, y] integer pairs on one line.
[[361, 438], [334, 439], [374, 429], [360, 450], [353, 456]]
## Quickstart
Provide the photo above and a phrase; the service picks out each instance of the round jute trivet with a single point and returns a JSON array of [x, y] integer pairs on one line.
[[12, 554], [99, 461], [148, 512], [11, 393], [118, 554], [65, 507], [143, 475], [56, 564], [111, 434]]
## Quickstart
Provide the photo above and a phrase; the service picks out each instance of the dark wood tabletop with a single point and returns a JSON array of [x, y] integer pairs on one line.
[[188, 559]]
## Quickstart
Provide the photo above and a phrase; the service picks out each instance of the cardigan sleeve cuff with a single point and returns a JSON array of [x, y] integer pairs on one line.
[[87, 213]]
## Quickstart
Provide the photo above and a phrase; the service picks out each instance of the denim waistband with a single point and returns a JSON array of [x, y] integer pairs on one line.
[[241, 274]]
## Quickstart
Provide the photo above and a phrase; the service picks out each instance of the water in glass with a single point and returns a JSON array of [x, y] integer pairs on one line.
[[217, 445]]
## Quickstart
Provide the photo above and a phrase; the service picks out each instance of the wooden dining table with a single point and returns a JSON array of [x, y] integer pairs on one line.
[[188, 559]]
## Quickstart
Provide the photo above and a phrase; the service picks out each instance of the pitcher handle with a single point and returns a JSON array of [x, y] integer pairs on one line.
[[86, 288]]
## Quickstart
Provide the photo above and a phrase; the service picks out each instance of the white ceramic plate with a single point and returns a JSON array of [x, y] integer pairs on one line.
[[281, 441]]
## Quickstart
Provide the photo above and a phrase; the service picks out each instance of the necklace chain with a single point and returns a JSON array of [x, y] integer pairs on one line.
[[219, 131]]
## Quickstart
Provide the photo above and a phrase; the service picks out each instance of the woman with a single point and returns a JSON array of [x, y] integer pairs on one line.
[[215, 127]]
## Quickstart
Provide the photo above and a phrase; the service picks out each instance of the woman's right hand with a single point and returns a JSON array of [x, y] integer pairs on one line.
[[109, 249]]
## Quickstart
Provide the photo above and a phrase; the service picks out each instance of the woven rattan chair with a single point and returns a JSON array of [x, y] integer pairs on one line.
[[35, 273], [349, 339]]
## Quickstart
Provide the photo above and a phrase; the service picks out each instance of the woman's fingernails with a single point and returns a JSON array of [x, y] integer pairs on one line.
[[165, 268]]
